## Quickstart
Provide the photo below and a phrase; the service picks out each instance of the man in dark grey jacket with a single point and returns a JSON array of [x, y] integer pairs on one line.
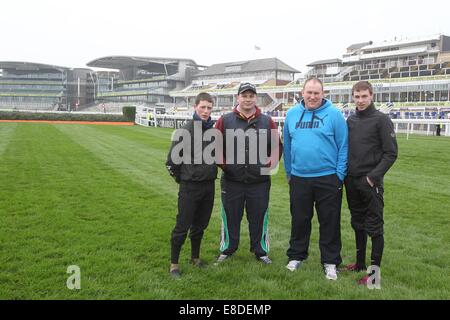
[[372, 151], [196, 179]]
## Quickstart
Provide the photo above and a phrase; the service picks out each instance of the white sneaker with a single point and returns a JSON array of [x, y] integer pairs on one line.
[[222, 257], [330, 271], [293, 265], [264, 259]]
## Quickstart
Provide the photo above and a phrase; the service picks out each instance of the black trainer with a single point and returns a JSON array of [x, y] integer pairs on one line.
[[198, 263]]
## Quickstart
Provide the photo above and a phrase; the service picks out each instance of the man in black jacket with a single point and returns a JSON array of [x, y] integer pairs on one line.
[[372, 151], [245, 180], [196, 179]]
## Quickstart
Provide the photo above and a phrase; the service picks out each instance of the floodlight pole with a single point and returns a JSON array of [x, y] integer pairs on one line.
[[78, 91]]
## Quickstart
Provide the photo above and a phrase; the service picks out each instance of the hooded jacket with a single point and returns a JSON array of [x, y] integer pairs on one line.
[[315, 141]]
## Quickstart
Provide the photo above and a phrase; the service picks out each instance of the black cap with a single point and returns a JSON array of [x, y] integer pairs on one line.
[[246, 86]]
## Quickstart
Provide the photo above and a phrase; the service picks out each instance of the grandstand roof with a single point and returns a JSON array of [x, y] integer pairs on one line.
[[328, 61], [248, 66], [21, 65], [402, 42], [357, 46], [122, 62], [401, 52]]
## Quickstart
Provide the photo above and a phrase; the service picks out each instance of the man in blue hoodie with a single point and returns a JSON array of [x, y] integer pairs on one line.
[[315, 159]]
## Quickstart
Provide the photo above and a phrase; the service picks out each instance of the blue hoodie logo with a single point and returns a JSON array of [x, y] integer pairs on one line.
[[311, 124]]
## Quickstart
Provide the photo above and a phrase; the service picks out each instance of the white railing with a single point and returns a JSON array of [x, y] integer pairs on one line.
[[165, 120], [421, 126], [408, 126]]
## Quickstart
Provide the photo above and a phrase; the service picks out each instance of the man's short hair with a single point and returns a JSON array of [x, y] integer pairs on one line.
[[361, 86], [313, 79], [203, 96]]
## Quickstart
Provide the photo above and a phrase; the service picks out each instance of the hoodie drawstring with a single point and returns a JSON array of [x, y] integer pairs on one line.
[[300, 121], [312, 119]]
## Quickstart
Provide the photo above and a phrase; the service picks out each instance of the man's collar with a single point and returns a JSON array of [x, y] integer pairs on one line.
[[370, 109]]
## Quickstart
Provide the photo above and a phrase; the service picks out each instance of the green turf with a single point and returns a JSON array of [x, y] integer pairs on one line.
[[99, 197]]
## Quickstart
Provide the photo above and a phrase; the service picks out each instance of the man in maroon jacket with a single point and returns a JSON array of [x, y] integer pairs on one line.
[[246, 179]]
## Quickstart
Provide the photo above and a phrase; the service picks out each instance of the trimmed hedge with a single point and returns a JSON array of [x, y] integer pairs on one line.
[[129, 113], [11, 115]]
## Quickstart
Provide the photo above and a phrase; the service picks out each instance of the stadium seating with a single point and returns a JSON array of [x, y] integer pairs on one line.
[[402, 72]]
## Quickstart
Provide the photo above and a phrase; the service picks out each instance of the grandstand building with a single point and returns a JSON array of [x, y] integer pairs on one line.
[[35, 86], [81, 88], [222, 81], [141, 80], [411, 79], [427, 56], [105, 80], [406, 74]]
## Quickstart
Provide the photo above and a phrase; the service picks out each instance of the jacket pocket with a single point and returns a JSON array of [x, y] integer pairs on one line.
[[366, 183]]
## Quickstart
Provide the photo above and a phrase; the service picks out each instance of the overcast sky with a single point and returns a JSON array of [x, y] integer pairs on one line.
[[72, 33]]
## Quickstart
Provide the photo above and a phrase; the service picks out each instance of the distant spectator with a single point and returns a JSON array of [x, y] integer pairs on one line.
[[438, 128]]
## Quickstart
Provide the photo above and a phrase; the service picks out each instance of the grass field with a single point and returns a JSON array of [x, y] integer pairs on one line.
[[99, 197]]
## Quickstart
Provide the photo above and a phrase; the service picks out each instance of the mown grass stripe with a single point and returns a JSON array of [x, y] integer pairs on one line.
[[135, 160], [6, 131]]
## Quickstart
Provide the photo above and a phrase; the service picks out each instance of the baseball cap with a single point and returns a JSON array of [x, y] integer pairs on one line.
[[246, 86]]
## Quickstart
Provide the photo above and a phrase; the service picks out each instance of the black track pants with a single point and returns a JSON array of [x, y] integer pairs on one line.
[[325, 193], [366, 205], [255, 198], [195, 204]]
